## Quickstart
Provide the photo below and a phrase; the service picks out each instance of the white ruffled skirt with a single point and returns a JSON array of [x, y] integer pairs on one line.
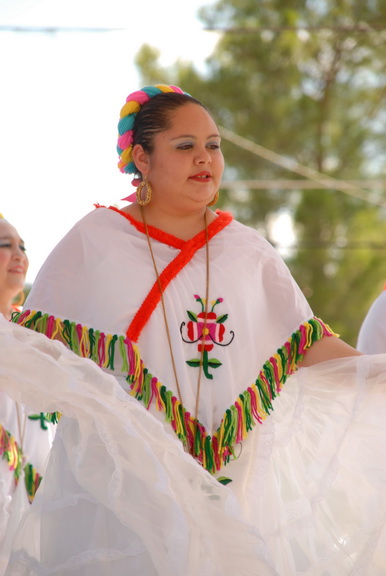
[[121, 497]]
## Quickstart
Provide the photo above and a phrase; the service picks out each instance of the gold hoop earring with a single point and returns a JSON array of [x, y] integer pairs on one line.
[[143, 201], [215, 199], [19, 299]]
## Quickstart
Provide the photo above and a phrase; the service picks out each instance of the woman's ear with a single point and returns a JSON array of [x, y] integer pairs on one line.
[[141, 159]]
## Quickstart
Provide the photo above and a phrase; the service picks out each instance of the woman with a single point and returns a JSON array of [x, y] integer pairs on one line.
[[13, 267], [215, 456], [24, 440], [372, 333]]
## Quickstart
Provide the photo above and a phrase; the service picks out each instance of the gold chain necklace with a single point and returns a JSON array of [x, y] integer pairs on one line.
[[204, 330]]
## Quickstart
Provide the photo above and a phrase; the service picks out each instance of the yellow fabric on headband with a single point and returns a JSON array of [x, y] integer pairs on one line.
[[164, 88], [130, 108], [1, 216], [126, 155]]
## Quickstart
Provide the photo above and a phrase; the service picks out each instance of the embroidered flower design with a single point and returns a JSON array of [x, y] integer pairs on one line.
[[42, 418], [206, 332]]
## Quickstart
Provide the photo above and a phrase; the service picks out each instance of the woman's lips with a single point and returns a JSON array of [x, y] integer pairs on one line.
[[17, 270], [201, 177]]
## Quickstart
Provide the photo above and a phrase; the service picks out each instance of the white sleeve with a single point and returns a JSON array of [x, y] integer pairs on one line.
[[372, 334]]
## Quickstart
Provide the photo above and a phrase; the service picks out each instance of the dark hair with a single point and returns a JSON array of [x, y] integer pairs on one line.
[[155, 117]]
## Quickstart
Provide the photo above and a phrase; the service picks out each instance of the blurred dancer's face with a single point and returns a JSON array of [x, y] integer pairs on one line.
[[13, 260]]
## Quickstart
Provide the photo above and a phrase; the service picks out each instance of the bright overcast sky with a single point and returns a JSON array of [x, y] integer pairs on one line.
[[60, 99]]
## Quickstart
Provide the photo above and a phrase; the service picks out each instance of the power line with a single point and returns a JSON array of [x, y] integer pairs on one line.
[[323, 180], [55, 29], [289, 184], [364, 27], [305, 246]]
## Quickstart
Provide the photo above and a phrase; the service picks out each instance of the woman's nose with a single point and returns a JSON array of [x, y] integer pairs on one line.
[[19, 254], [203, 157]]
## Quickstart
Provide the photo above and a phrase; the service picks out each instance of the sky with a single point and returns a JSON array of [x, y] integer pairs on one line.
[[60, 97]]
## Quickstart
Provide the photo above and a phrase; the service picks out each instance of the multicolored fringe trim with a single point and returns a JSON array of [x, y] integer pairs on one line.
[[13, 454], [251, 407], [32, 480]]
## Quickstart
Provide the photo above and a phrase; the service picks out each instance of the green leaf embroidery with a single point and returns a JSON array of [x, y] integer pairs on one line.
[[214, 363], [41, 417], [194, 362], [224, 480]]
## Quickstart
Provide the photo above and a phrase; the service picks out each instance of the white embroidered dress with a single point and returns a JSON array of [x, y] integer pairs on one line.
[[306, 487], [25, 442]]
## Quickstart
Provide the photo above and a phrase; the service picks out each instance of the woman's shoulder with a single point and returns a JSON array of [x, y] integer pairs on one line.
[[99, 213], [250, 236], [108, 218]]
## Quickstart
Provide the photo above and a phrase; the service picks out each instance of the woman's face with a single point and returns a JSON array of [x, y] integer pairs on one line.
[[186, 165], [13, 260]]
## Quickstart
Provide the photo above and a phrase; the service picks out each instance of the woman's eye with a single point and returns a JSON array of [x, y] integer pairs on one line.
[[186, 146], [9, 245], [214, 146]]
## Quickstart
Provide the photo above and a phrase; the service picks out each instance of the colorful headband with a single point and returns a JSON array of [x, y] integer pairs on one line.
[[128, 115]]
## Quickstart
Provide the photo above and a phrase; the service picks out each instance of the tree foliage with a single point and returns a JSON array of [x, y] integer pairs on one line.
[[307, 80]]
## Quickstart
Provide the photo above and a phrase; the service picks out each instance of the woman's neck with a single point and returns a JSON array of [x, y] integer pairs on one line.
[[182, 226], [6, 308]]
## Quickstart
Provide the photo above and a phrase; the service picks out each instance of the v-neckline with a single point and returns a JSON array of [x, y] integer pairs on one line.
[[187, 249], [222, 220]]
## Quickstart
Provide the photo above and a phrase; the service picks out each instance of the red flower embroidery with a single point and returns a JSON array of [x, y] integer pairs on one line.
[[206, 330]]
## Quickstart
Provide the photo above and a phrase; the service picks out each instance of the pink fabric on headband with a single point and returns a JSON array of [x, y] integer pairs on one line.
[[125, 140], [139, 96], [131, 198], [177, 89]]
